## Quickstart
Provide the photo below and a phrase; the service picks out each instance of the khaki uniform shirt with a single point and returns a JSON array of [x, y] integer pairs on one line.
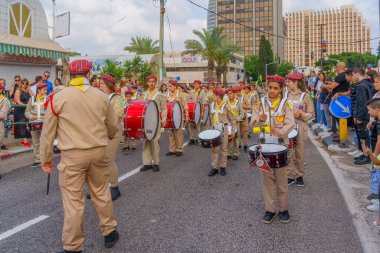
[[160, 99], [236, 109], [301, 102], [222, 117], [247, 102], [35, 108], [84, 120]]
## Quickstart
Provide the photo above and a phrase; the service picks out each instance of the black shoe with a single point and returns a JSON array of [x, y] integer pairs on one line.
[[88, 196], [192, 142], [3, 147], [115, 193], [213, 172], [268, 217], [235, 157], [291, 181], [245, 149], [146, 167], [372, 196], [133, 148], [239, 146], [284, 216], [222, 171], [35, 164], [229, 157], [179, 154], [111, 239], [299, 181], [363, 160], [359, 157], [125, 149], [70, 251], [170, 153], [330, 130], [156, 168]]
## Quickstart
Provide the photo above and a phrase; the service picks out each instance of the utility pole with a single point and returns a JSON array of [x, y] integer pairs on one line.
[[321, 33], [161, 49], [53, 33]]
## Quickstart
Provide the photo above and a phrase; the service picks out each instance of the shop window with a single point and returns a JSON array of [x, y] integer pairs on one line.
[[20, 20]]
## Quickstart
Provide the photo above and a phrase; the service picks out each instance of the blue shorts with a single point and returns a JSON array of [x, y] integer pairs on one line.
[[375, 181]]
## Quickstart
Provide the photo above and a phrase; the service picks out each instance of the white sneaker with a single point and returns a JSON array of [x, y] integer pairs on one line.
[[354, 153], [374, 201], [324, 128], [374, 208], [359, 154]]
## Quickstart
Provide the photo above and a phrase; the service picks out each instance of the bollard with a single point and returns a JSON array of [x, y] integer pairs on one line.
[[343, 135]]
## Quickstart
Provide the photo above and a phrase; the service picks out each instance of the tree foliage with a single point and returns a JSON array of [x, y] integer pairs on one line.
[[251, 67], [266, 57], [224, 54], [142, 45], [284, 68], [112, 68]]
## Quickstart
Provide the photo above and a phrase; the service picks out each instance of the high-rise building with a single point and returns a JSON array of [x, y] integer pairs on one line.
[[338, 27], [211, 17], [245, 21]]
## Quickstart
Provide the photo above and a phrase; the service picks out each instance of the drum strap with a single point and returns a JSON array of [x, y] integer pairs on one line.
[[279, 108], [299, 101], [216, 112]]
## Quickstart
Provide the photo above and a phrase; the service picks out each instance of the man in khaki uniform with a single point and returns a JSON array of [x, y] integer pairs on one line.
[[176, 135], [221, 118], [130, 95], [151, 148], [197, 94], [237, 111], [275, 185], [247, 102], [83, 120]]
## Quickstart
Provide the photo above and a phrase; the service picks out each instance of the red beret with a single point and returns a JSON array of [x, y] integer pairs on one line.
[[173, 82], [298, 76], [237, 88], [197, 81], [242, 83], [109, 78], [219, 92], [211, 83], [219, 83], [152, 76], [41, 85], [205, 85], [129, 91], [80, 67], [247, 86], [2, 87], [276, 78], [183, 86], [230, 89], [191, 85]]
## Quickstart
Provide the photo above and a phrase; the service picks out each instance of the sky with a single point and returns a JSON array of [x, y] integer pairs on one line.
[[105, 27]]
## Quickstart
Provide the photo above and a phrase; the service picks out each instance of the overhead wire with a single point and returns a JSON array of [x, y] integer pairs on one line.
[[275, 35]]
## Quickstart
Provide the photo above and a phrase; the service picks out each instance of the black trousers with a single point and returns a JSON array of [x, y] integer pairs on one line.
[[362, 133]]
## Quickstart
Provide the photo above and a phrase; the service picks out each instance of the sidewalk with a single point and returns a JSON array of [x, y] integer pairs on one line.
[[14, 148]]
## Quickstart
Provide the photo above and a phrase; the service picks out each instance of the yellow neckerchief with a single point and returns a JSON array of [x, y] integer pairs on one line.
[[234, 112], [40, 98], [81, 83], [173, 95], [275, 103], [218, 107], [150, 94], [2, 96], [197, 93]]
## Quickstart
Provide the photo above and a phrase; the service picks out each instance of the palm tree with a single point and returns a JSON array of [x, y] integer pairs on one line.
[[209, 42], [224, 54], [112, 68], [142, 45]]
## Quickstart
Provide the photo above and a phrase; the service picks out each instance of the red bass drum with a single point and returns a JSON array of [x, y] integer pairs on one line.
[[194, 112], [174, 115]]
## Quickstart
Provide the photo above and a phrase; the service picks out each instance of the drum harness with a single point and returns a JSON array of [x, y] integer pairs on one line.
[[214, 110], [299, 101]]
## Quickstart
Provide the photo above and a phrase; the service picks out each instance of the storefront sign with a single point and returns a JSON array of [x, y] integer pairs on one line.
[[30, 60]]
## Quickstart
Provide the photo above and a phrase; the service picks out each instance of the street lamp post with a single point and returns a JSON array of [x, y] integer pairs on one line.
[[161, 49], [266, 68]]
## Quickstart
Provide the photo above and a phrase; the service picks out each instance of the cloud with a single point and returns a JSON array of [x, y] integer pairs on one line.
[[96, 28]]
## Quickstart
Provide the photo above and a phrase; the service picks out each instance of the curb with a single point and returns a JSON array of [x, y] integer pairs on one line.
[[327, 140], [9, 154]]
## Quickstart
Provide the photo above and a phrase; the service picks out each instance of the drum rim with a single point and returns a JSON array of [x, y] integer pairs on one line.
[[180, 114], [206, 113], [219, 136], [158, 117], [266, 152], [198, 105]]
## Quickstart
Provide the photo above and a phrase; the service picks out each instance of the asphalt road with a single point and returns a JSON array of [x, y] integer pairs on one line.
[[181, 209]]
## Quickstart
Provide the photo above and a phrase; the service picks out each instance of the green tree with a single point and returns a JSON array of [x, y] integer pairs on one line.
[[112, 68], [146, 69], [284, 68], [142, 45], [207, 46], [132, 67], [266, 57], [224, 54], [251, 67]]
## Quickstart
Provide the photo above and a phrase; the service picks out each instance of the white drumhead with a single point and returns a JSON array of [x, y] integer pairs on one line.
[[205, 115], [151, 120], [249, 115], [230, 130], [177, 115], [209, 134], [197, 113], [56, 142], [269, 148], [292, 134], [271, 139]]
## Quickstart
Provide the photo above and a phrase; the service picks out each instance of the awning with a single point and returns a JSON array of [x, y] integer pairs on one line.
[[16, 45]]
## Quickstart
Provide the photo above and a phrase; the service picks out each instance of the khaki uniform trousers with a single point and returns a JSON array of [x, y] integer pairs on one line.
[[298, 154], [233, 146], [194, 131], [223, 149], [76, 168], [151, 150], [176, 140], [1, 132], [275, 186], [111, 152], [36, 135], [243, 125], [130, 141]]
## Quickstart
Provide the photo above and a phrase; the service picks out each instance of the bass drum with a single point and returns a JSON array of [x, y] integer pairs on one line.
[[174, 116], [194, 112], [275, 155], [141, 120], [210, 138]]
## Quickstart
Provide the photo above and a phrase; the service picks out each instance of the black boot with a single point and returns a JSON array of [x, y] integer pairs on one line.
[[170, 153], [179, 154], [70, 251], [245, 148], [213, 172], [156, 168], [111, 239], [191, 142], [222, 171], [235, 157], [115, 193], [146, 167], [125, 149]]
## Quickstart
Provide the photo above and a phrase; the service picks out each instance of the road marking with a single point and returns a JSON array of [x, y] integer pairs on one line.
[[22, 227], [137, 170]]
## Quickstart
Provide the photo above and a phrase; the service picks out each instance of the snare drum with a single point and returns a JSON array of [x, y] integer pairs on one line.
[[35, 125], [210, 138], [141, 120], [206, 113], [230, 139], [275, 155], [194, 112], [174, 115], [293, 136]]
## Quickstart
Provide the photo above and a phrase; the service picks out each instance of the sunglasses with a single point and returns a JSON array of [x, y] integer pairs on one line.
[[17, 80], [47, 76]]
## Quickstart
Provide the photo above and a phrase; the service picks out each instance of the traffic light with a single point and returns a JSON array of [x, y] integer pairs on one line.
[[324, 46]]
